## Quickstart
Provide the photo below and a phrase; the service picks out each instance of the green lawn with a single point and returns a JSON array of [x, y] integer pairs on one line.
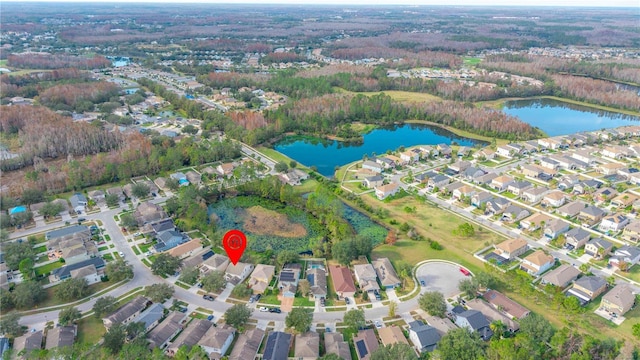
[[40, 249], [135, 250], [145, 247], [103, 248], [107, 257], [90, 330], [270, 299], [45, 269], [299, 301], [472, 61]]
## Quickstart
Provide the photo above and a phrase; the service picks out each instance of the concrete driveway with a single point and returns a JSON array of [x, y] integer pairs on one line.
[[440, 276]]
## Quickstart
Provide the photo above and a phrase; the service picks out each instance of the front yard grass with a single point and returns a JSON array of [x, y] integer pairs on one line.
[[90, 330]]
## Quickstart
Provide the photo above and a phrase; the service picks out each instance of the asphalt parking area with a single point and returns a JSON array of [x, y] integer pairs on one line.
[[440, 276]]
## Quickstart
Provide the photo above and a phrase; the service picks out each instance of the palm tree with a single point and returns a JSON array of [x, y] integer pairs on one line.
[[498, 327]]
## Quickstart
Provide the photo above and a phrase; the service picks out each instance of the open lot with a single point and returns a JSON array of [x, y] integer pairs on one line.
[[441, 276]]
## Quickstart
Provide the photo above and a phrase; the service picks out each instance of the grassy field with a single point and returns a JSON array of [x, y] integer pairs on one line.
[[402, 96], [471, 61], [90, 330]]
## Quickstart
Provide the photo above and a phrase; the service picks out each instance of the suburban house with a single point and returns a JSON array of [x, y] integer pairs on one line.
[[465, 191], [444, 150], [409, 157], [485, 179], [151, 316], [91, 269], [235, 274], [386, 273], [506, 151], [334, 344], [535, 221], [501, 183], [567, 182], [531, 170], [518, 187], [571, 209], [537, 263], [615, 152], [472, 173], [512, 248], [514, 213], [294, 177], [61, 336], [474, 320], [577, 237], [190, 335], [318, 280], [342, 281], [604, 194], [549, 163], [54, 237], [96, 195], [423, 337], [226, 169], [247, 345], [555, 227], [385, 162], [373, 181], [623, 200], [619, 300], [584, 156], [170, 327], [28, 342], [391, 335], [554, 198], [78, 202], [384, 191], [365, 342], [497, 205], [586, 187], [459, 166], [437, 181], [117, 191], [216, 262], [187, 249], [598, 248], [591, 215], [631, 232], [307, 346], [588, 288], [366, 277], [193, 177], [630, 255], [492, 314], [127, 312], [148, 212], [167, 240], [261, 278], [613, 223], [502, 303], [484, 154], [373, 166], [480, 198], [561, 276], [288, 280], [534, 194], [278, 344], [217, 340]]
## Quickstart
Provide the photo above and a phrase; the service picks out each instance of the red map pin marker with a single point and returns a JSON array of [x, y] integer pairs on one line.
[[234, 242]]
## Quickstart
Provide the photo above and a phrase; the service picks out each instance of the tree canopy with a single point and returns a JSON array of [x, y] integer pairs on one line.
[[214, 281], [433, 302], [165, 264], [159, 292], [299, 319], [237, 315]]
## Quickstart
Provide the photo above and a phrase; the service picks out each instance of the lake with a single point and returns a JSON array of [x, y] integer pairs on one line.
[[560, 118], [327, 154]]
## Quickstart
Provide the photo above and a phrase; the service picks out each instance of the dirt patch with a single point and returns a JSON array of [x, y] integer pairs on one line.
[[261, 221]]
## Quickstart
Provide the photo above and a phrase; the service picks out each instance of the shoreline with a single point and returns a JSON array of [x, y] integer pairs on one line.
[[499, 104]]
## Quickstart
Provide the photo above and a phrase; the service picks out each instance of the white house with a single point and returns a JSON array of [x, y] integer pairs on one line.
[[373, 166], [537, 263], [629, 254], [614, 223], [217, 341], [384, 191]]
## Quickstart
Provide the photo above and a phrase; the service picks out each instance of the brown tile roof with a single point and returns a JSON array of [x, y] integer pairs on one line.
[[392, 335], [342, 279], [510, 307]]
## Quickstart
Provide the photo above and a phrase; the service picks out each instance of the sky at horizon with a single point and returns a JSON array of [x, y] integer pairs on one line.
[[556, 3]]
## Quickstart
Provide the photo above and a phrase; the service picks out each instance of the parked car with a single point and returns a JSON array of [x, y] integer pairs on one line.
[[183, 310], [121, 254], [347, 301], [378, 324], [423, 283], [210, 317], [275, 310], [263, 309], [208, 297]]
